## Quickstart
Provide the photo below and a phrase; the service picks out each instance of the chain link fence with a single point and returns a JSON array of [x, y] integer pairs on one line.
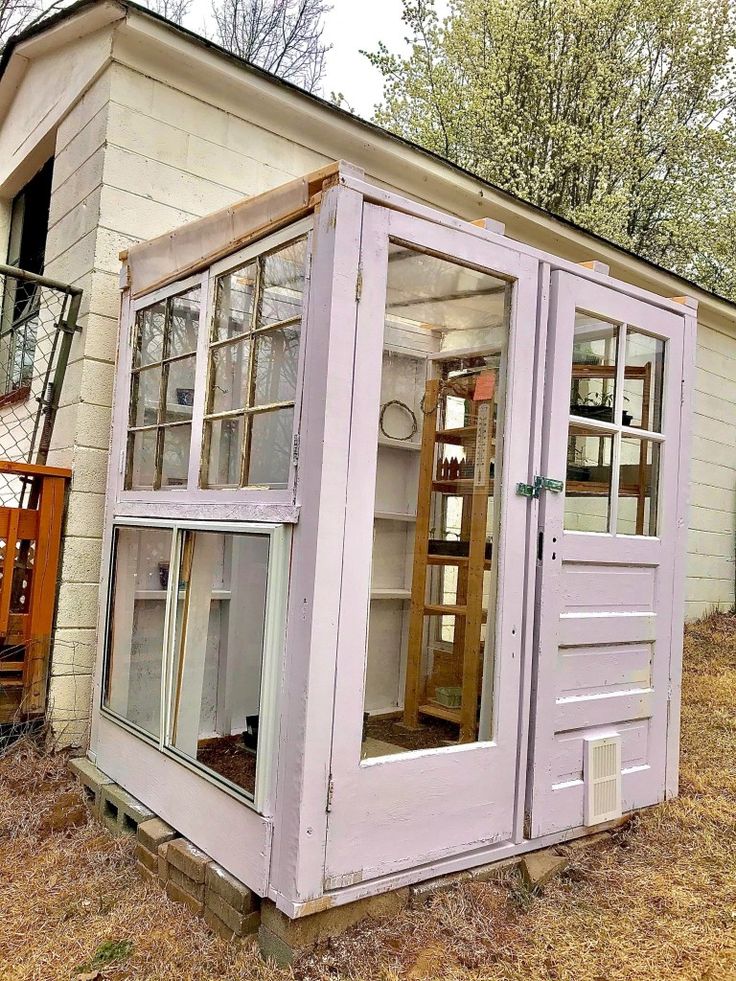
[[38, 318]]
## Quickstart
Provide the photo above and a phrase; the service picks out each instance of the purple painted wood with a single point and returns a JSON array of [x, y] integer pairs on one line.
[[598, 589], [401, 811]]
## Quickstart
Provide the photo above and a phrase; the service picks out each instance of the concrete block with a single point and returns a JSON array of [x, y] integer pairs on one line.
[[120, 812], [147, 858], [155, 832], [86, 511], [81, 560], [282, 939], [145, 873], [163, 864], [78, 602], [239, 923], [73, 652], [538, 868], [187, 885], [92, 779], [189, 859], [178, 895], [69, 698], [483, 873], [217, 926], [235, 893]]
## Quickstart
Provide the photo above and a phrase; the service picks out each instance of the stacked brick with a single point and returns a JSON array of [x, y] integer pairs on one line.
[[162, 856], [190, 877]]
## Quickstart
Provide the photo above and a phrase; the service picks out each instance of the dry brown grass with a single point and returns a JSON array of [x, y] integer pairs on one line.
[[657, 902]]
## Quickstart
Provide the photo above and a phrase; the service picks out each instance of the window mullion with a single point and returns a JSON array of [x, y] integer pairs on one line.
[[618, 419], [250, 384]]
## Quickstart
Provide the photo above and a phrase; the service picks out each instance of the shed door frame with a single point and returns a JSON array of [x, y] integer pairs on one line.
[[556, 806], [364, 841]]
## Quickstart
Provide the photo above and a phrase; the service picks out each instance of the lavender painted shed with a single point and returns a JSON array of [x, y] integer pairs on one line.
[[394, 538]]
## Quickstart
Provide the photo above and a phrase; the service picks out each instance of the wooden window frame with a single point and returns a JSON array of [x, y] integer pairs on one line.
[[253, 502], [618, 431], [279, 536]]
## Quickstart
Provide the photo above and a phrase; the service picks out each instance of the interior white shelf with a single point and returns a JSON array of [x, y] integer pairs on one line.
[[390, 594], [395, 516], [160, 594], [399, 444]]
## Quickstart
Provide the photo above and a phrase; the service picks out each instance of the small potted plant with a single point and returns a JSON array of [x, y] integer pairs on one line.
[[599, 407]]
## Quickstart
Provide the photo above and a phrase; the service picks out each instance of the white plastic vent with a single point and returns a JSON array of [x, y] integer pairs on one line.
[[602, 779]]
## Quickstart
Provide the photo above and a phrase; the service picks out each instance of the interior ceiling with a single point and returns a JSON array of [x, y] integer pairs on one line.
[[442, 295]]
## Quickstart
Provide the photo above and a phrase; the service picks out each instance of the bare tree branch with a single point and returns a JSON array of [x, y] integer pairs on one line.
[[283, 36], [174, 10]]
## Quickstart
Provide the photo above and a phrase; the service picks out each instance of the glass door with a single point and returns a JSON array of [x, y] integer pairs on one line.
[[430, 640]]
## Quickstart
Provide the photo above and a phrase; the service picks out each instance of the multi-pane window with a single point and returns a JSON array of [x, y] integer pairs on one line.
[[615, 428], [162, 393], [252, 376], [21, 301]]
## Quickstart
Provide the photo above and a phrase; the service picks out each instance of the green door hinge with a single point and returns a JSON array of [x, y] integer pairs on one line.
[[540, 484]]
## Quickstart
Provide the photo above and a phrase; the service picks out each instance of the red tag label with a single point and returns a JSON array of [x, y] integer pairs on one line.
[[485, 386]]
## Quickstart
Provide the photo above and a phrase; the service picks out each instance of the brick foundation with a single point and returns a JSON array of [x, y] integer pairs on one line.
[[163, 857]]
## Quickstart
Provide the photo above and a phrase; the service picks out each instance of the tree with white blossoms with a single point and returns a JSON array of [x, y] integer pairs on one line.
[[283, 36], [616, 114]]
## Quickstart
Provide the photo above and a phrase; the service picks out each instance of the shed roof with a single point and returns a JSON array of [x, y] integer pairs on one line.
[[90, 15]]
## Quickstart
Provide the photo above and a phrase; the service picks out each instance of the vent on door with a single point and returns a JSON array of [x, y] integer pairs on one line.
[[602, 779]]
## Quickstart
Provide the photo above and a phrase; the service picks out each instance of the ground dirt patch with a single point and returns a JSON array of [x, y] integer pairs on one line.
[[656, 902]]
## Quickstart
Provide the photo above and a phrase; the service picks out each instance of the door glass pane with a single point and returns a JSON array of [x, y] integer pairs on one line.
[[643, 381], [593, 382], [219, 653], [135, 637], [175, 457], [270, 447], [224, 450], [430, 666], [588, 481], [638, 487]]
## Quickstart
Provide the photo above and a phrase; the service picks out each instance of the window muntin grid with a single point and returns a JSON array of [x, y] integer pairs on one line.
[[615, 437], [162, 392], [252, 373]]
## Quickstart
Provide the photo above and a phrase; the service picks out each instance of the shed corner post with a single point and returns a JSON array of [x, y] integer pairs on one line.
[[672, 764], [308, 688]]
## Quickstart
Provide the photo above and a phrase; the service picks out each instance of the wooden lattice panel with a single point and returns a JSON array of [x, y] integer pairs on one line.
[[30, 542]]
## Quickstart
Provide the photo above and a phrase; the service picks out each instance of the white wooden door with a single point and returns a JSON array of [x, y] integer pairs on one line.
[[406, 809], [607, 580]]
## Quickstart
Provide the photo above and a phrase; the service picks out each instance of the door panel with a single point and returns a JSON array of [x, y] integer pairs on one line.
[[605, 580], [413, 805]]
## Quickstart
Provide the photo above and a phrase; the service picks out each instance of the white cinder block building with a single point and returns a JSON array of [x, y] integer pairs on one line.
[[148, 127]]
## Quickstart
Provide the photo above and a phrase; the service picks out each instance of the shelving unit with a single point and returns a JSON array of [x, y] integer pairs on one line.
[[477, 440], [594, 488]]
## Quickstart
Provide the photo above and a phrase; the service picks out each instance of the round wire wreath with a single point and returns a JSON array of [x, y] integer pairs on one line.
[[405, 407]]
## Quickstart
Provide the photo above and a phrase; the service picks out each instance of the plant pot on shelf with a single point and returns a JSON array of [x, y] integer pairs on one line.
[[452, 547], [600, 413]]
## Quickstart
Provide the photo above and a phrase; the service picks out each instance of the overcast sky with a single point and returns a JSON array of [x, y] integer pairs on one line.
[[350, 26]]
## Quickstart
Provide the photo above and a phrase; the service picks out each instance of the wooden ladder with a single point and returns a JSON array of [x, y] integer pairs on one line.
[[478, 440]]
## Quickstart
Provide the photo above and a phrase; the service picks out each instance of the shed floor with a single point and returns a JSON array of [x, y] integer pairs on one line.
[[657, 902]]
